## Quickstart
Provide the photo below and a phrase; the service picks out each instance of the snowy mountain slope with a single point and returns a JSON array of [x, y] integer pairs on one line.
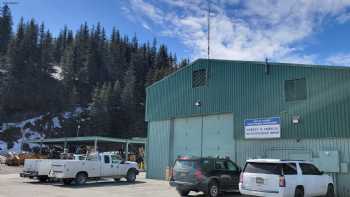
[[47, 125]]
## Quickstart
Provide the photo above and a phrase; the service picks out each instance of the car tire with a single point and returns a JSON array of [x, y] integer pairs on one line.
[[182, 192], [117, 179], [330, 191], [131, 176], [81, 178], [213, 189], [43, 179], [67, 181], [299, 192]]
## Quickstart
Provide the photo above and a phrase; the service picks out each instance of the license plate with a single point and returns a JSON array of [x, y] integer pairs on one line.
[[259, 180]]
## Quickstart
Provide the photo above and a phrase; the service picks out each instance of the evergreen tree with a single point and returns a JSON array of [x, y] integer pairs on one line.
[[5, 28], [117, 112], [128, 99], [108, 74], [127, 96], [162, 59], [100, 109]]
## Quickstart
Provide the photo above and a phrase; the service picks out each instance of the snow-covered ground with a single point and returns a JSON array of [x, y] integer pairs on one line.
[[56, 122], [28, 133]]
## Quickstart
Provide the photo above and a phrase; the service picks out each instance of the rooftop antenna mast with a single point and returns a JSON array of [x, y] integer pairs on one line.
[[209, 29]]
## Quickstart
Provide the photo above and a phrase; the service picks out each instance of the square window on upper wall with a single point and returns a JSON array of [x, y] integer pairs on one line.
[[295, 89], [199, 78]]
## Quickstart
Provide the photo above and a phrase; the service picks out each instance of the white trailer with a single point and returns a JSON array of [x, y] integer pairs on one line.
[[102, 165]]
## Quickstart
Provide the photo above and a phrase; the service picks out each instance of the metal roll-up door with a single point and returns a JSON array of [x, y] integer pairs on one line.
[[210, 135]]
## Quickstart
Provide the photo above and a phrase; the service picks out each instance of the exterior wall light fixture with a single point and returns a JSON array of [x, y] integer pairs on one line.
[[296, 119]]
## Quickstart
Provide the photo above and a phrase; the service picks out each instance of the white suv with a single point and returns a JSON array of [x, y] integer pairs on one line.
[[282, 178]]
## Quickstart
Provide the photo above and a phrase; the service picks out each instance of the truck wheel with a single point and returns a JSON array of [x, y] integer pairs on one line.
[[131, 176], [182, 192], [81, 178], [42, 179], [330, 191], [117, 179], [67, 181], [299, 192], [213, 190]]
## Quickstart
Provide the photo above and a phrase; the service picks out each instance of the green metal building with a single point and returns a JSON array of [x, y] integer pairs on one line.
[[245, 110]]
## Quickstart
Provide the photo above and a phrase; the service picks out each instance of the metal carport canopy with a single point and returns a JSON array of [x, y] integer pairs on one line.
[[88, 138], [94, 139]]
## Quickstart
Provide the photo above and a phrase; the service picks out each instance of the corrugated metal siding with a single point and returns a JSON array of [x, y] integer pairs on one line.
[[158, 149], [244, 89], [247, 149]]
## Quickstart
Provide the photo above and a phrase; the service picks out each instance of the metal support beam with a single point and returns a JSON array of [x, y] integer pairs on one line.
[[127, 151], [41, 148], [96, 144], [65, 147]]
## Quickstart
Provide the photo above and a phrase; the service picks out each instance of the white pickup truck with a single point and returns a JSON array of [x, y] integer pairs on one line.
[[37, 168], [101, 165], [40, 168]]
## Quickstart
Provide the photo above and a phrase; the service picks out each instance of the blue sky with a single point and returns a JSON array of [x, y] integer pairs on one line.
[[300, 31]]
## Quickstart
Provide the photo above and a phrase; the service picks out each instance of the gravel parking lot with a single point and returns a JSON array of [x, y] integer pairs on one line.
[[4, 169], [11, 185]]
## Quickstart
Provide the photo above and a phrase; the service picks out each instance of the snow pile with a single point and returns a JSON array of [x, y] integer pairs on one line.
[[58, 73], [3, 146], [20, 124], [56, 122]]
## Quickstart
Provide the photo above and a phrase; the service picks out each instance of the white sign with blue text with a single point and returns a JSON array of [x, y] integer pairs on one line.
[[262, 128]]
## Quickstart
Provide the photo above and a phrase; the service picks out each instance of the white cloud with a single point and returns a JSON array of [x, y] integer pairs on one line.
[[242, 29], [146, 26], [344, 18], [340, 59]]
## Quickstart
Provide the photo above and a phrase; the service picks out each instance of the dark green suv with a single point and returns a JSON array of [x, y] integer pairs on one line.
[[209, 175]]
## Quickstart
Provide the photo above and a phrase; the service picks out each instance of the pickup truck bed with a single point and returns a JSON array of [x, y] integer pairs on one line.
[[100, 166]]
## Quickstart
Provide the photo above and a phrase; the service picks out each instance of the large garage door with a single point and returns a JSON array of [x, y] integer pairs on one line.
[[187, 136], [218, 136], [217, 139]]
